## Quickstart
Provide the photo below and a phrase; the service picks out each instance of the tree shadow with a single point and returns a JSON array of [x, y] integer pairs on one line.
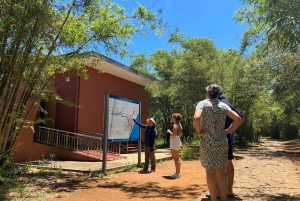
[[48, 181], [266, 197], [153, 190], [284, 197], [229, 199], [287, 149], [236, 197], [280, 197]]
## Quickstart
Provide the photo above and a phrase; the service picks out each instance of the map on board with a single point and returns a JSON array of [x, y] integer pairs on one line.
[[121, 113]]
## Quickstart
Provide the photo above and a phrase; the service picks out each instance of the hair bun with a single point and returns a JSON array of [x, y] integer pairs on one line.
[[214, 90]]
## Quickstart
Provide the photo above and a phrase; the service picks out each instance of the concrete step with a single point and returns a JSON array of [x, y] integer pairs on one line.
[[109, 156]]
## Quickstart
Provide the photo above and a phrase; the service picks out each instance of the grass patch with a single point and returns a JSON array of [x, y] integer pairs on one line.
[[127, 168], [9, 175], [40, 180], [160, 143], [35, 180]]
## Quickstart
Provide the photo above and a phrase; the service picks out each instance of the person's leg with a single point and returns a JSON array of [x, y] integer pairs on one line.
[[147, 152], [153, 160], [175, 156], [222, 178], [211, 183], [218, 186], [230, 176], [230, 168]]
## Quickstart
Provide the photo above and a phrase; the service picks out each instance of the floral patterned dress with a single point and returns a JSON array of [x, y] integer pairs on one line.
[[213, 145]]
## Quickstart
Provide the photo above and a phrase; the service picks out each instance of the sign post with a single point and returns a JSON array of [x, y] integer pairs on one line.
[[119, 126], [105, 136]]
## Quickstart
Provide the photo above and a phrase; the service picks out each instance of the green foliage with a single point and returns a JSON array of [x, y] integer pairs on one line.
[[279, 94], [141, 63], [17, 179], [242, 80], [97, 174], [43, 38], [181, 78], [161, 143], [49, 165], [249, 84], [9, 178], [263, 85], [272, 21], [10, 169], [129, 167], [189, 152]]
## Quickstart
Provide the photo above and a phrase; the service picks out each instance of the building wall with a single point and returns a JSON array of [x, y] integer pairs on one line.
[[50, 107], [89, 94], [31, 151], [66, 116], [23, 146], [25, 149], [92, 97]]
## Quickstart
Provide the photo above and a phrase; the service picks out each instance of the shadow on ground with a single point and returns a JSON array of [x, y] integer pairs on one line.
[[281, 197], [174, 193], [235, 198], [289, 149], [43, 182], [284, 197]]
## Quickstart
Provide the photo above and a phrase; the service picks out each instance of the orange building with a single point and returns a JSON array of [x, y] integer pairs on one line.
[[76, 132]]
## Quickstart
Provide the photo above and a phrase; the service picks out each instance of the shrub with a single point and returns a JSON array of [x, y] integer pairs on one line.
[[189, 152]]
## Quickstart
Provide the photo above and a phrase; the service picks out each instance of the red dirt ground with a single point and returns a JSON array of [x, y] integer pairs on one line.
[[153, 186], [134, 186]]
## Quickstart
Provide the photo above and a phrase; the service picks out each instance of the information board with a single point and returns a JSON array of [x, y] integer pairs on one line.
[[121, 112]]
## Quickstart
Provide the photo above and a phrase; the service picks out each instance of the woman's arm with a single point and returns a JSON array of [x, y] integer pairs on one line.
[[175, 130], [139, 124], [237, 121], [197, 116]]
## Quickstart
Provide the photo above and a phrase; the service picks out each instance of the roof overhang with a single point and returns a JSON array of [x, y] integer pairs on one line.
[[115, 68]]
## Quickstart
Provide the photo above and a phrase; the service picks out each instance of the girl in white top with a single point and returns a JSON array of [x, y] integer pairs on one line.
[[175, 142]]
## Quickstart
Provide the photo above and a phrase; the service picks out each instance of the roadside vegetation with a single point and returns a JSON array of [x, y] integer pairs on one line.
[[261, 79], [43, 179], [44, 37]]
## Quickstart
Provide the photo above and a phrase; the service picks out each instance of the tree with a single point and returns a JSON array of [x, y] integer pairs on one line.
[[240, 79], [43, 37], [271, 21], [284, 72], [181, 77], [274, 28], [271, 93]]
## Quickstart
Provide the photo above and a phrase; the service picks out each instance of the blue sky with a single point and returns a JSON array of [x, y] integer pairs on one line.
[[211, 19]]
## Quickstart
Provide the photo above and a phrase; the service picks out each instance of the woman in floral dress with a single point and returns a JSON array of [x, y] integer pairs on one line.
[[209, 121]]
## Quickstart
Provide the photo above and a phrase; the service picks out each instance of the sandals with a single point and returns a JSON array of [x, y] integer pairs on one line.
[[231, 195], [228, 195], [208, 196]]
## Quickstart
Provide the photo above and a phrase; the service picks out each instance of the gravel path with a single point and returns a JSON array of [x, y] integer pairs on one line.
[[265, 174]]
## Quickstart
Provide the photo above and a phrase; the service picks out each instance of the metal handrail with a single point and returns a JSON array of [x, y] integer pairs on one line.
[[86, 144], [88, 132], [112, 147], [67, 132]]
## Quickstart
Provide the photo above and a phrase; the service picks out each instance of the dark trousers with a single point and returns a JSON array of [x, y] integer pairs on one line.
[[149, 155], [230, 147]]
